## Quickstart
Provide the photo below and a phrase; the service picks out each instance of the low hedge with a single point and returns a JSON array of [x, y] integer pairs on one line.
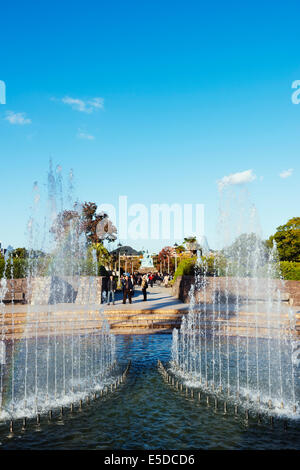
[[17, 268], [186, 267], [290, 270]]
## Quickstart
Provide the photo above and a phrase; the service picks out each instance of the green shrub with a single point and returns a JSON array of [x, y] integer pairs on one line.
[[186, 267], [21, 267], [16, 270], [212, 266], [290, 270]]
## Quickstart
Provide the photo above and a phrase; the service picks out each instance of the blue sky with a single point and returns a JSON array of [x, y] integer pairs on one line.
[[191, 92]]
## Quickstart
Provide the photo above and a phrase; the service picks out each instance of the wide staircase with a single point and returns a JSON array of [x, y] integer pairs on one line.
[[23, 324], [144, 321], [160, 314], [252, 322]]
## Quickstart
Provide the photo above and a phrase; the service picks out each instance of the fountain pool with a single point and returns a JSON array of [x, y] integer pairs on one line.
[[146, 413]]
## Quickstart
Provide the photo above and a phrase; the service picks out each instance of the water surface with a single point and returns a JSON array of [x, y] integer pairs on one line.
[[146, 413]]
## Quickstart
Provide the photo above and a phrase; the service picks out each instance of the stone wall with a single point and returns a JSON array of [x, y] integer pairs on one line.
[[45, 290], [16, 290], [90, 290], [222, 287]]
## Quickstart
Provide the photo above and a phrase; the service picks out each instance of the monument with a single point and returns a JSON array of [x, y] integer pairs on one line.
[[147, 262]]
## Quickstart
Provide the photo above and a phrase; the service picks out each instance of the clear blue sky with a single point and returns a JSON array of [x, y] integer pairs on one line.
[[192, 91]]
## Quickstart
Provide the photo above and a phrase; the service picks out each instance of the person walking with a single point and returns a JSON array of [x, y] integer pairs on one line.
[[127, 289], [166, 280], [144, 287], [111, 289], [133, 284]]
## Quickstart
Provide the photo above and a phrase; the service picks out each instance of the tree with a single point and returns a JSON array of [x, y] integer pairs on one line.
[[19, 253], [180, 249], [102, 254], [66, 221], [165, 258], [191, 244], [188, 240], [84, 219], [245, 243], [90, 220], [97, 227], [287, 238], [246, 255]]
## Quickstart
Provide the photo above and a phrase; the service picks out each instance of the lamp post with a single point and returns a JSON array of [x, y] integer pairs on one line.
[[125, 261], [119, 272], [175, 255]]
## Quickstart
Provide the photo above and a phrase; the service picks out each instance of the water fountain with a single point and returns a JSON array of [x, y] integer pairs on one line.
[[238, 342], [57, 350]]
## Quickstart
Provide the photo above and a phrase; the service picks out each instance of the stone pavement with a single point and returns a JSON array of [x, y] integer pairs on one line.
[[158, 298], [160, 313]]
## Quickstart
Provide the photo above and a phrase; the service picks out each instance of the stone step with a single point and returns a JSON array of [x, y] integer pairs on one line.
[[145, 324], [143, 317], [50, 327], [146, 311], [67, 314], [260, 333], [83, 317], [43, 334], [25, 322], [141, 331], [31, 332], [94, 316], [250, 321], [244, 313], [93, 312], [284, 323]]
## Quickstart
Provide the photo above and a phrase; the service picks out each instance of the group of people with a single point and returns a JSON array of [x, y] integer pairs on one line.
[[128, 281]]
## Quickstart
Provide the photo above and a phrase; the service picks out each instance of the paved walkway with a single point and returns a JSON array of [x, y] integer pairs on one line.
[[158, 298]]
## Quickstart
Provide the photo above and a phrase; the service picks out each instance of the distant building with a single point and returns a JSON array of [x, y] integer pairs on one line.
[[127, 251], [126, 259]]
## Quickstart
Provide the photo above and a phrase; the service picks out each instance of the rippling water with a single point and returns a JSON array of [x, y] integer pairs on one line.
[[145, 413]]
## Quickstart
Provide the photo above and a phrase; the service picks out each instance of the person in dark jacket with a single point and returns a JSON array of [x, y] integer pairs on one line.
[[127, 289], [144, 287], [111, 289]]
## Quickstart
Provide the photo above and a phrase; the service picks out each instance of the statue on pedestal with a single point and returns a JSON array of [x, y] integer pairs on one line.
[[147, 261]]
